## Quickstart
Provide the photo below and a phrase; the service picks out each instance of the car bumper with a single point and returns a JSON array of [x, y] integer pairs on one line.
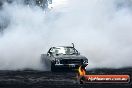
[[69, 65]]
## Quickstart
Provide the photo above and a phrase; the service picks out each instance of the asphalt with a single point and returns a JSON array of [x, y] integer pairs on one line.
[[59, 79]]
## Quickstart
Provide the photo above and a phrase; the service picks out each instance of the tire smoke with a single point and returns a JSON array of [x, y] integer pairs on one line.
[[100, 29]]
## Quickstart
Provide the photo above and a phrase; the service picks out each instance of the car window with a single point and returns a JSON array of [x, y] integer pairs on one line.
[[63, 50]]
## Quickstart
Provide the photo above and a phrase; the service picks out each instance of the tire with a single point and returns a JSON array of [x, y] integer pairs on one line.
[[53, 69]]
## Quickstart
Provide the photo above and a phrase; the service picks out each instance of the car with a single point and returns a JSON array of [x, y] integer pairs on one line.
[[63, 57]]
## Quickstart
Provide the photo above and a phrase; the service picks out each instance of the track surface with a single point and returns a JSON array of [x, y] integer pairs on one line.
[[43, 79]]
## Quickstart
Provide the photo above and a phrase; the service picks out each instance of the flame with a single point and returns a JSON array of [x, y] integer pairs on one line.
[[82, 71]]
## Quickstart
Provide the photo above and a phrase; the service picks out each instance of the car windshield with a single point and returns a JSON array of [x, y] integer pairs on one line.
[[64, 51]]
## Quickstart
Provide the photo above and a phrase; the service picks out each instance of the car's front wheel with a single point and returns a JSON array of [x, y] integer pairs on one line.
[[53, 67]]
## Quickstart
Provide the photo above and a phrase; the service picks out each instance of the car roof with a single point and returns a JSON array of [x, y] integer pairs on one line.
[[63, 47]]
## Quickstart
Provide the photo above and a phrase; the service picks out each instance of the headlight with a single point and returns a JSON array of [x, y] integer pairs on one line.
[[85, 61], [57, 61]]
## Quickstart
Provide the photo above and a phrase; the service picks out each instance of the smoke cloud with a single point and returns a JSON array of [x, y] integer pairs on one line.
[[100, 29]]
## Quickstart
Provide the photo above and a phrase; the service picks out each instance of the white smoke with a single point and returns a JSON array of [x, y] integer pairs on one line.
[[100, 29]]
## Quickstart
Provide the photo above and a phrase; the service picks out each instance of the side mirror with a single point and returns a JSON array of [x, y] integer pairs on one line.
[[48, 54], [78, 53]]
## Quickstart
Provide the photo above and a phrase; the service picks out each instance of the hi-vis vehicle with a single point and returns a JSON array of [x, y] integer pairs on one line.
[[63, 57]]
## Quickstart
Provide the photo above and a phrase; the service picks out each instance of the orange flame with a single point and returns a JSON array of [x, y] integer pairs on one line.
[[82, 71]]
